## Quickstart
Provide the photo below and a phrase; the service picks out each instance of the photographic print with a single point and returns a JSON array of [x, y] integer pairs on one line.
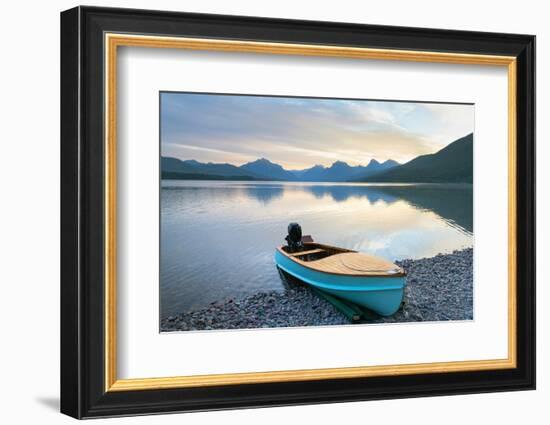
[[294, 211]]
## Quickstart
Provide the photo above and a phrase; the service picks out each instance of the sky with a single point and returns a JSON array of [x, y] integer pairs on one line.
[[299, 133]]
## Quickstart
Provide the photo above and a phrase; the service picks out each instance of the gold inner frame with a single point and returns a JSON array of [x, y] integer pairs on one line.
[[113, 41]]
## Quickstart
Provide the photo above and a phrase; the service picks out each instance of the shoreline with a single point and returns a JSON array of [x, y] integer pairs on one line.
[[438, 288]]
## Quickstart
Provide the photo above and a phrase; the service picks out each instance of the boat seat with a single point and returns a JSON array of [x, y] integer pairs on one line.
[[311, 251]]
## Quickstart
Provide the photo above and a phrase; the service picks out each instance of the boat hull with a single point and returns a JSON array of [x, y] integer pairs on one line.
[[380, 294]]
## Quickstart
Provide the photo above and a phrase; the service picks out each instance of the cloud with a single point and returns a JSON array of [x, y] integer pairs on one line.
[[300, 132]]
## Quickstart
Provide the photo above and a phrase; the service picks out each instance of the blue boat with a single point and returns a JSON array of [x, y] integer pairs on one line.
[[362, 279]]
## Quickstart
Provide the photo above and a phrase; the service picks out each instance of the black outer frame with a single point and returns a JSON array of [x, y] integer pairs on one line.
[[82, 219]]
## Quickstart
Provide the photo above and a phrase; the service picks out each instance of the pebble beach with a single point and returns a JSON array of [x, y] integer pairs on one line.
[[437, 288]]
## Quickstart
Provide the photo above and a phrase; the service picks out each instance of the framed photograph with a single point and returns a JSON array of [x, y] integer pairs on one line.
[[261, 212]]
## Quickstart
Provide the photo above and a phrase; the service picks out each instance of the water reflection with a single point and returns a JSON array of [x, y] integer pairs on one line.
[[218, 238], [452, 202], [264, 193], [343, 193]]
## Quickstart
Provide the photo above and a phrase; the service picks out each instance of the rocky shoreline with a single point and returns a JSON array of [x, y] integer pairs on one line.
[[438, 288]]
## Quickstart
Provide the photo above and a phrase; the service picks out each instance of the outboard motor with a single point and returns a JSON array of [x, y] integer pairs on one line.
[[294, 238]]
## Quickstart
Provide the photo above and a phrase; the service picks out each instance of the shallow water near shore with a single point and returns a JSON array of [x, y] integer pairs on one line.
[[218, 237]]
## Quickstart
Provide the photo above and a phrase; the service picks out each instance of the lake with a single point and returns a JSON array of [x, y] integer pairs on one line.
[[218, 238]]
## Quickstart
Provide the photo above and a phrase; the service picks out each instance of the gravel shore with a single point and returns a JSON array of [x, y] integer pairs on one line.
[[438, 288]]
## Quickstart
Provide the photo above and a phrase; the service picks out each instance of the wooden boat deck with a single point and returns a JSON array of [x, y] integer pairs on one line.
[[342, 261], [354, 263]]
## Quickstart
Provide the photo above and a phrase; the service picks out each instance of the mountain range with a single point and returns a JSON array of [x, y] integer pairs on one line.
[[454, 163], [263, 169]]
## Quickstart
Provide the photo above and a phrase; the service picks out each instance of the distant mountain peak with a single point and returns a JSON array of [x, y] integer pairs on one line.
[[265, 168], [390, 162], [339, 164], [374, 162], [262, 162]]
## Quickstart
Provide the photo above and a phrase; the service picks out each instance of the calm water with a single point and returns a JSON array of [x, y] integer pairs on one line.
[[218, 238]]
